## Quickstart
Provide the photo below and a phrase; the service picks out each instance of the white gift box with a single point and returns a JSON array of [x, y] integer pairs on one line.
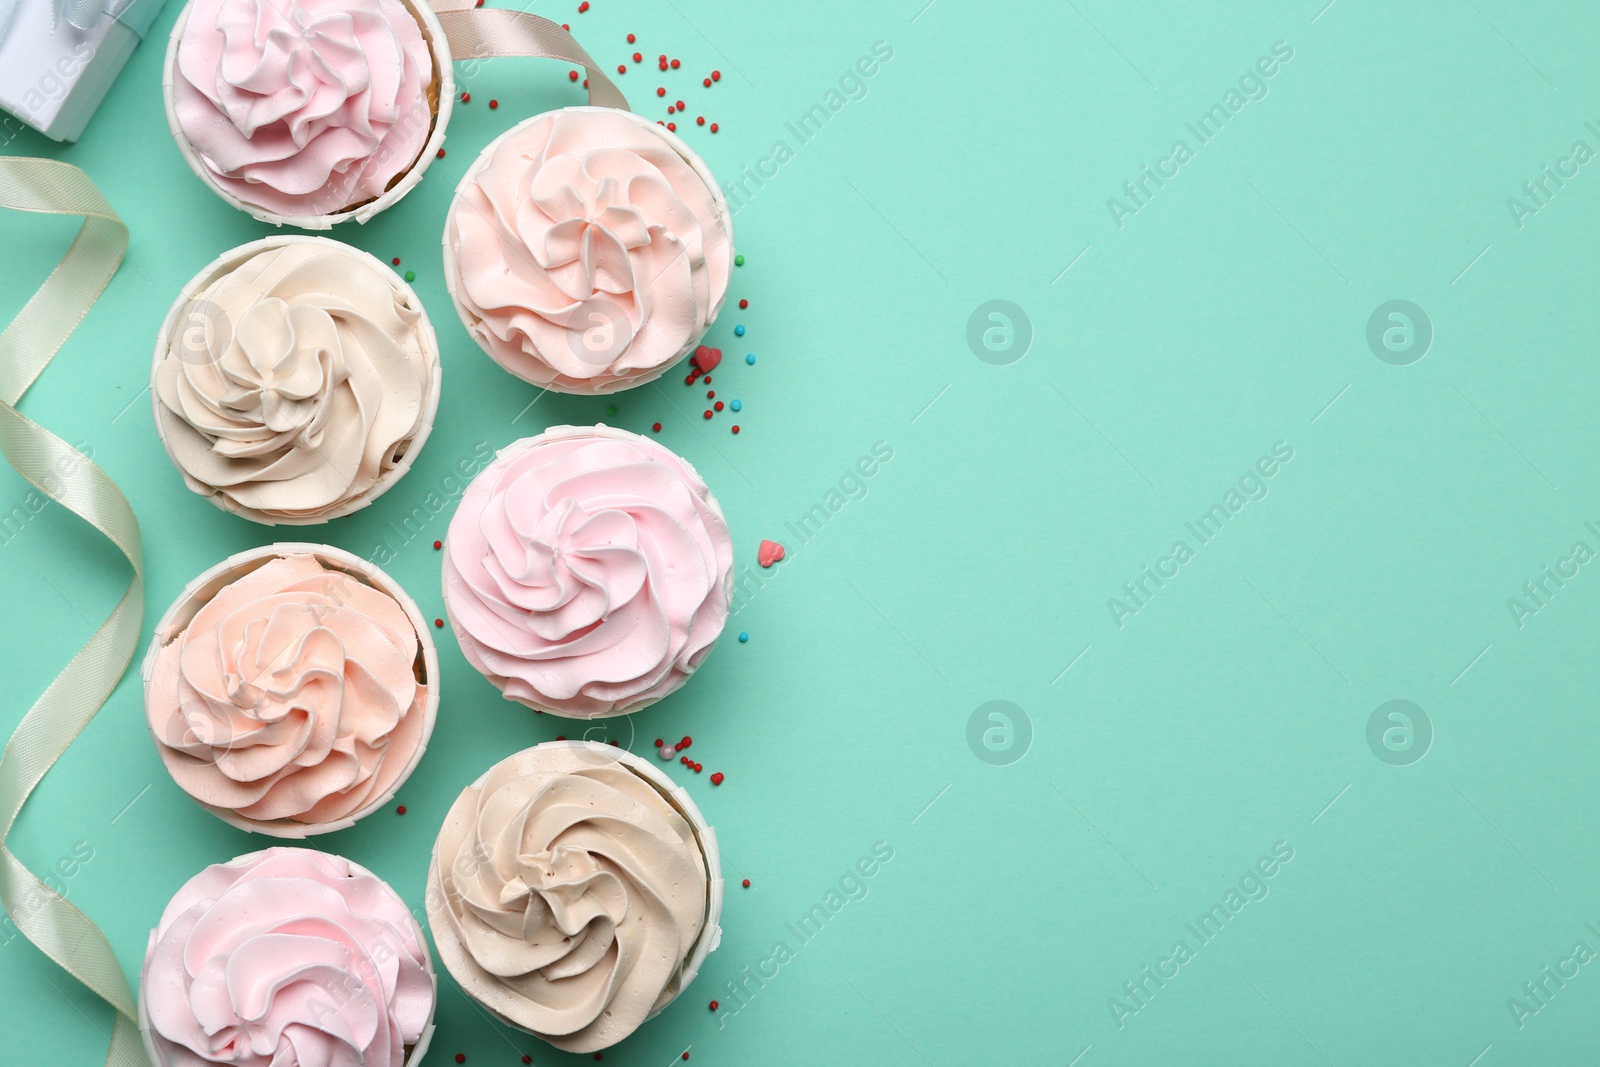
[[58, 58]]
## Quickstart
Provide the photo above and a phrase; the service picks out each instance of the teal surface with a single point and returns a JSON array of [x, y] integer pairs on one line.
[[1200, 760]]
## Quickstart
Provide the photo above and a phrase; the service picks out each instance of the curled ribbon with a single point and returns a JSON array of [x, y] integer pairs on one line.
[[491, 32], [60, 930]]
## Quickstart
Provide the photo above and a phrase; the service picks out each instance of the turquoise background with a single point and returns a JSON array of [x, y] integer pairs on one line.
[[1228, 715]]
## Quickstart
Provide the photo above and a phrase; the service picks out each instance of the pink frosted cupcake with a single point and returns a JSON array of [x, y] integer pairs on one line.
[[587, 250], [286, 958], [587, 572], [307, 112], [290, 689]]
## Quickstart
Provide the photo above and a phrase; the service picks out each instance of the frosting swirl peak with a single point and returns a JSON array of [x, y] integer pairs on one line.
[[567, 894], [587, 571]]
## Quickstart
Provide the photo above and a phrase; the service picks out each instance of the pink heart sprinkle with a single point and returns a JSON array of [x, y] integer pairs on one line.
[[771, 552], [706, 359]]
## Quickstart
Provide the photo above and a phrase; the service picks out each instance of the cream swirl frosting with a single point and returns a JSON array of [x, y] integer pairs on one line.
[[588, 253], [587, 571], [292, 694], [566, 894], [303, 107], [286, 958], [294, 382]]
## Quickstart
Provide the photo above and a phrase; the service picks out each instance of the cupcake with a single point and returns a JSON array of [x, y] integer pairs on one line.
[[308, 112], [574, 892], [588, 572], [290, 690], [295, 380], [588, 249], [286, 958]]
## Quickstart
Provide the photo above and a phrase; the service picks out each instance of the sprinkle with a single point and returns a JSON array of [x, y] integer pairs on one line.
[[661, 90], [769, 553], [675, 66], [713, 127], [466, 98], [586, 83], [658, 742], [662, 58], [561, 737], [411, 275], [747, 883], [572, 75], [738, 261], [667, 752], [706, 380], [736, 429], [439, 623], [461, 1057], [527, 1059], [717, 405], [750, 359], [597, 1055], [686, 1054], [708, 414], [743, 636], [611, 409], [699, 120], [686, 742], [738, 331], [708, 83], [711, 394], [737, 405], [671, 110], [663, 65], [401, 810], [698, 768], [656, 427], [716, 75], [716, 779], [622, 68], [395, 261], [438, 545], [673, 126], [632, 38], [743, 304], [493, 104], [679, 105], [713, 1005], [583, 7], [637, 58], [441, 153]]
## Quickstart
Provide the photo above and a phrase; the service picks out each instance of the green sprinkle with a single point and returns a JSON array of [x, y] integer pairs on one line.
[[738, 261], [611, 409], [411, 275]]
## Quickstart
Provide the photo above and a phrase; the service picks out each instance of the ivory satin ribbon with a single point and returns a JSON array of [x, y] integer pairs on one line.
[[60, 930], [491, 32]]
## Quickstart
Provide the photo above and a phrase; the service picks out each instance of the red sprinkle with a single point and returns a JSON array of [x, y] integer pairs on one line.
[[637, 58], [401, 810], [671, 110], [493, 104], [527, 1059], [716, 779], [679, 105], [717, 405], [658, 742], [713, 1005], [438, 545], [395, 261], [572, 75], [466, 98], [673, 126], [708, 83], [685, 1055], [561, 737], [716, 75], [747, 883], [583, 7], [736, 429], [699, 120], [662, 91], [439, 623], [686, 742], [632, 38], [675, 65], [713, 127], [744, 304], [441, 153], [461, 1057], [711, 394], [698, 768], [706, 380], [586, 83], [657, 429], [622, 68]]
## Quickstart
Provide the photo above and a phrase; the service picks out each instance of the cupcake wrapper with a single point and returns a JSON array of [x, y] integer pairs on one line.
[[204, 588], [710, 935], [698, 165], [425, 336], [418, 1051], [444, 91]]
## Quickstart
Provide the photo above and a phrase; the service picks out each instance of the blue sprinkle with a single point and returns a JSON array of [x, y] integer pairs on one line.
[[751, 359], [738, 331], [743, 637], [736, 406]]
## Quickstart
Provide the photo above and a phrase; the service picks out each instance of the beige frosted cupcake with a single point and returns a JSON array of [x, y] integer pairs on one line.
[[291, 689], [295, 380], [308, 112], [588, 249], [574, 892]]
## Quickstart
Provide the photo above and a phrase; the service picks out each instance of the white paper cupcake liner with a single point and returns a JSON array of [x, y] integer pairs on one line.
[[556, 433], [444, 79], [724, 220], [426, 337], [454, 956], [204, 588], [418, 1051]]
